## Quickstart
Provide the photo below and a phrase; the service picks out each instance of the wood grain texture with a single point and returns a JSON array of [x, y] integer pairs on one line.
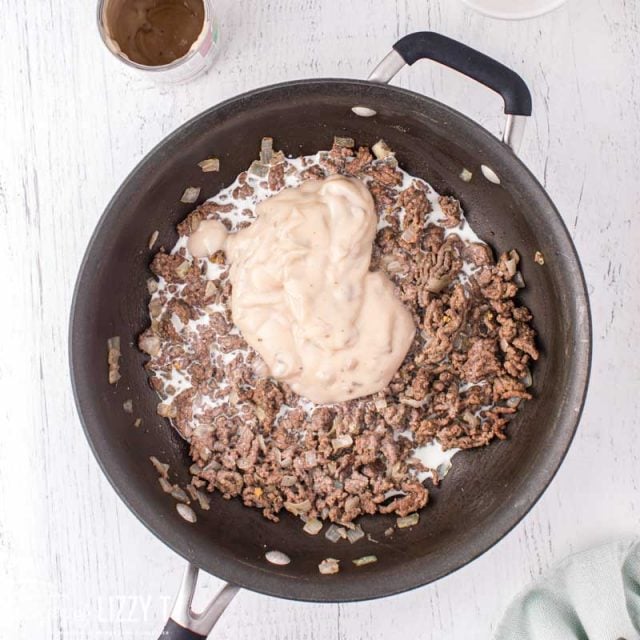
[[74, 563]]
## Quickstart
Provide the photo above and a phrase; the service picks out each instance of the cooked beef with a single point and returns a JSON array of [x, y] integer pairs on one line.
[[253, 437]]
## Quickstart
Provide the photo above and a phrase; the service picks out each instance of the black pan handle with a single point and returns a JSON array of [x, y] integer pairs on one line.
[[472, 63], [186, 624], [475, 65], [173, 631]]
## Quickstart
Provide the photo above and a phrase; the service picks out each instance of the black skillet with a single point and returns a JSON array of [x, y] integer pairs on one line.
[[488, 491]]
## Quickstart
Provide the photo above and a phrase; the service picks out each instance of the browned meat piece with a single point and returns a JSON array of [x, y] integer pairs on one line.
[[382, 196], [385, 174], [477, 253], [481, 361], [417, 496], [276, 177], [416, 206], [229, 483], [207, 210], [358, 164], [451, 209], [173, 268], [242, 192], [439, 270], [314, 172]]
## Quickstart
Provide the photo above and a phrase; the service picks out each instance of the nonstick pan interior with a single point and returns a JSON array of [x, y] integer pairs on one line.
[[487, 491]]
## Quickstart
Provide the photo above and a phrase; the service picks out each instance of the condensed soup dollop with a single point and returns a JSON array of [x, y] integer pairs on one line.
[[303, 295]]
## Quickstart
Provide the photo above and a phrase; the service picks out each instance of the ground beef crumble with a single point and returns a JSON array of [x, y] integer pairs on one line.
[[252, 437]]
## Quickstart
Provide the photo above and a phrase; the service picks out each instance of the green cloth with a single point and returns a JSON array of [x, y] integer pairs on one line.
[[593, 595]]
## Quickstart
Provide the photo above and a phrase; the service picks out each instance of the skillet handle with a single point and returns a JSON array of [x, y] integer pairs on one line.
[[186, 624], [473, 64]]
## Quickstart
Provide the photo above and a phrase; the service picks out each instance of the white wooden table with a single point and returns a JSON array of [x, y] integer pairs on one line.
[[74, 563]]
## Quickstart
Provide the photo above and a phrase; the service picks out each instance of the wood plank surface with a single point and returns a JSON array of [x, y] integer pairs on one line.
[[74, 563]]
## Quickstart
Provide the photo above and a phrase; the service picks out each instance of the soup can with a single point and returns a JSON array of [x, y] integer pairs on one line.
[[193, 63]]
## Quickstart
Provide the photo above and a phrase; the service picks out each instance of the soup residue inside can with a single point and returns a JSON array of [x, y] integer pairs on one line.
[[155, 32]]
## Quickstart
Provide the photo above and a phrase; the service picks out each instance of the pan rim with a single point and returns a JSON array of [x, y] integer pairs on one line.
[[280, 586]]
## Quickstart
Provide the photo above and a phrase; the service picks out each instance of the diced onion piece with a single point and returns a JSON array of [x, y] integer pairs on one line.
[[329, 566], [259, 169], [127, 406], [313, 526], [298, 508], [512, 263], [285, 463], [436, 285], [277, 557], [518, 280], [210, 164], [260, 412], [408, 521], [179, 494], [183, 268], [341, 442], [355, 534], [466, 175], [195, 469], [261, 443], [203, 501], [539, 258], [527, 379], [214, 465], [360, 562], [113, 359], [155, 308], [391, 161], [190, 195], [351, 504], [210, 290], [186, 512], [381, 150], [153, 238], [409, 235], [161, 467], [335, 533], [348, 143], [266, 150], [471, 419], [167, 487], [395, 267], [152, 286], [138, 422], [166, 410], [443, 469], [150, 344], [380, 403], [411, 402]]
